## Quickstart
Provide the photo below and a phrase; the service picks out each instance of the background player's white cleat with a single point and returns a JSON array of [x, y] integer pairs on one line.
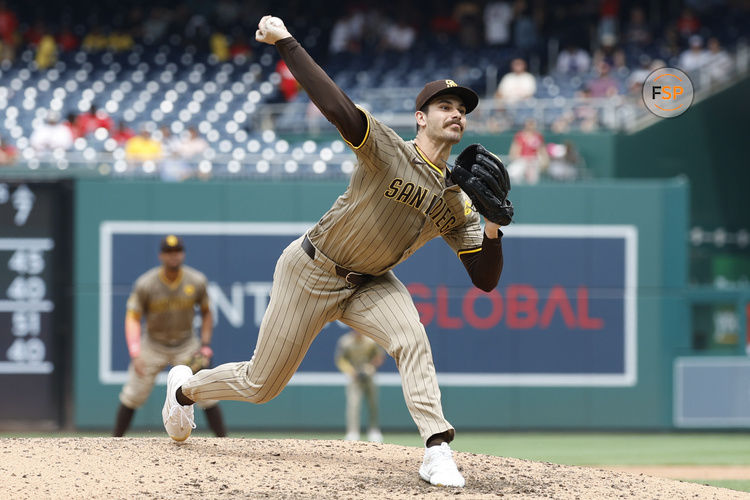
[[351, 436], [438, 467], [179, 420], [375, 436]]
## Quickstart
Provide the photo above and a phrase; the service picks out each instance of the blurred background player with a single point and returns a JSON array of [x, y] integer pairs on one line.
[[165, 297], [359, 357]]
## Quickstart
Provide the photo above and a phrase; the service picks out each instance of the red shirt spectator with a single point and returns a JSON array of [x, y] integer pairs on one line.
[[688, 24], [34, 34], [122, 133], [71, 123], [529, 143], [8, 24], [67, 41], [240, 47], [8, 153], [289, 86], [93, 119]]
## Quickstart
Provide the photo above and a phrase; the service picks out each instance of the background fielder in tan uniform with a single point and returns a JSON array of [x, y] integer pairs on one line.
[[398, 199], [166, 298], [359, 357]]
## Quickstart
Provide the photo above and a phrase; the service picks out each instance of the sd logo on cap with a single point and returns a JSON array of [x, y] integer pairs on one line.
[[171, 243]]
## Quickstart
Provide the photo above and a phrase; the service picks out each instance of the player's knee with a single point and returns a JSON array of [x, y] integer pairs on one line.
[[265, 396], [133, 401], [264, 393]]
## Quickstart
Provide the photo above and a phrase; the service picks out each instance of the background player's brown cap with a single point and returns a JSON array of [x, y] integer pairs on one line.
[[171, 243], [440, 87]]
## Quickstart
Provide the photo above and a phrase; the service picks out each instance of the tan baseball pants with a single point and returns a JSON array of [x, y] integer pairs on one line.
[[155, 358], [306, 294]]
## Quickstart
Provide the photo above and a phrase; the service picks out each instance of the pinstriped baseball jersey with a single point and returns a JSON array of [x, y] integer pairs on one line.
[[169, 308], [396, 202]]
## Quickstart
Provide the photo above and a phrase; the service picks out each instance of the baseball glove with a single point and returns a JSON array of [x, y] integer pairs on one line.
[[198, 361], [484, 179]]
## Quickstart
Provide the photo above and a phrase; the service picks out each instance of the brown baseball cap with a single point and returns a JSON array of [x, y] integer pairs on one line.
[[171, 243], [441, 87]]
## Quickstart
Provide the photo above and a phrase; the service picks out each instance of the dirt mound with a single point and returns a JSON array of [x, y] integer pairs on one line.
[[128, 468]]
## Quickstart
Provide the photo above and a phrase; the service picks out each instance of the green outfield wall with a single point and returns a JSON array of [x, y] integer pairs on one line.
[[658, 210]]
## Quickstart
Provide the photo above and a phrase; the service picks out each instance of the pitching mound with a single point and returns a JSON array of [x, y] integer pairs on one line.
[[247, 468]]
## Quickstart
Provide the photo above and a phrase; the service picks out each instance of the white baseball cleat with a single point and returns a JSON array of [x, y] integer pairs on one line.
[[179, 420], [351, 436], [438, 467], [375, 436]]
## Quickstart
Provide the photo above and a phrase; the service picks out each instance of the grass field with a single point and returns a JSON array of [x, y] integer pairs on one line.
[[588, 449]]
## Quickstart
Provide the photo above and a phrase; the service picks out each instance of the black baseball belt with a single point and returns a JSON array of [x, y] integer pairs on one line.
[[352, 278]]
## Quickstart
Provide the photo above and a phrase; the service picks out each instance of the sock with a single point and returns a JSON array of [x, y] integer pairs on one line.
[[122, 421], [215, 421], [182, 399], [438, 439]]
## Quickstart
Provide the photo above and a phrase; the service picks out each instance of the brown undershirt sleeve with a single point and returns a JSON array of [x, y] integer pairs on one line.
[[327, 96], [484, 267]]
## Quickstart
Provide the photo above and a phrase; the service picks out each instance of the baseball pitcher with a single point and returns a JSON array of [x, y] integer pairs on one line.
[[166, 298], [401, 195]]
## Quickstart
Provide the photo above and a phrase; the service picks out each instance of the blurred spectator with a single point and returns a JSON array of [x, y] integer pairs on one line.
[[719, 64], [587, 116], [603, 85], [638, 76], [694, 57], [517, 85], [443, 25], [227, 12], [46, 52], [122, 133], [94, 41], [468, 14], [192, 146], [219, 46], [564, 161], [347, 32], [8, 27], [398, 36], [34, 33], [70, 122], [240, 46], [120, 41], [497, 19], [289, 86], [637, 31], [143, 147], [51, 135], [156, 24], [8, 153], [606, 51], [525, 35], [688, 23], [94, 118], [562, 124], [620, 67], [528, 155], [608, 14], [573, 60], [171, 167], [669, 44], [66, 40]]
